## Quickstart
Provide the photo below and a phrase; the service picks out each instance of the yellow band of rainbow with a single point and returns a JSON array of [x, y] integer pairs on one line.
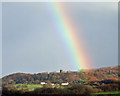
[[74, 41]]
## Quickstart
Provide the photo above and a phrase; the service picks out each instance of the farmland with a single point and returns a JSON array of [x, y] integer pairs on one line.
[[94, 81], [31, 87]]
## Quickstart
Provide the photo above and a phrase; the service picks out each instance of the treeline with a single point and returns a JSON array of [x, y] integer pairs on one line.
[[81, 77], [75, 89], [106, 81]]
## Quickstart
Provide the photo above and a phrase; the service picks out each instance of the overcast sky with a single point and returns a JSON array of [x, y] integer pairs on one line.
[[32, 43]]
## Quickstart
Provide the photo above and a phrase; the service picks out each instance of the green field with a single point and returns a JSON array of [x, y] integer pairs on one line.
[[31, 87], [27, 87], [114, 92]]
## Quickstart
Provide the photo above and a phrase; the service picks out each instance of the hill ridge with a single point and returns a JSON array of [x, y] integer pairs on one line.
[[82, 76]]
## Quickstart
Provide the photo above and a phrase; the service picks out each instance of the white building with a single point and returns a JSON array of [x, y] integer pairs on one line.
[[65, 83], [43, 83], [52, 84]]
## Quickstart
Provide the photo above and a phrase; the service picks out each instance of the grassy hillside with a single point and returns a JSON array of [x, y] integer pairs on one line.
[[82, 77]]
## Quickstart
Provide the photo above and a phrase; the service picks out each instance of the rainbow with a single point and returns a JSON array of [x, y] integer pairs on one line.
[[74, 41]]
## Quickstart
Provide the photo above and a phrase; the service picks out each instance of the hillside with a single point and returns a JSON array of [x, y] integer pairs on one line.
[[86, 76]]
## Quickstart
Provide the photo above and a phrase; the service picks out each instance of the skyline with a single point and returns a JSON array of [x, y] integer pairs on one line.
[[33, 39]]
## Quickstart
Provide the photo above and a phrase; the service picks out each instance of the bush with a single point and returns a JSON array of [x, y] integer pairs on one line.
[[6, 92], [109, 87], [81, 89], [50, 90]]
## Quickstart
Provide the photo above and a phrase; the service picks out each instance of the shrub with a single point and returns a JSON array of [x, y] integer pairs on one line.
[[80, 89], [109, 87]]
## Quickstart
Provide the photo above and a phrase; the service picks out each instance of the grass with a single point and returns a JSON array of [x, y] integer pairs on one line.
[[27, 87], [113, 92], [31, 87]]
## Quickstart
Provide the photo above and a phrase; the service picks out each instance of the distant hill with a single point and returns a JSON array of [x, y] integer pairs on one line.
[[84, 76]]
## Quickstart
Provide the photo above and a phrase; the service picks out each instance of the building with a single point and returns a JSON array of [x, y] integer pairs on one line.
[[43, 83], [52, 84], [64, 84]]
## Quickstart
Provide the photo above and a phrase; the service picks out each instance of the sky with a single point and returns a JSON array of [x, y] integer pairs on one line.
[[32, 42]]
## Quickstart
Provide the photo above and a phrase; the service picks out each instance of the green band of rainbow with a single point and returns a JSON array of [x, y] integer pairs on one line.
[[73, 40]]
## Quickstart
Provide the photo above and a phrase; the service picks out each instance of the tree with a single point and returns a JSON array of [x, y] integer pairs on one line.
[[80, 89], [61, 71]]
